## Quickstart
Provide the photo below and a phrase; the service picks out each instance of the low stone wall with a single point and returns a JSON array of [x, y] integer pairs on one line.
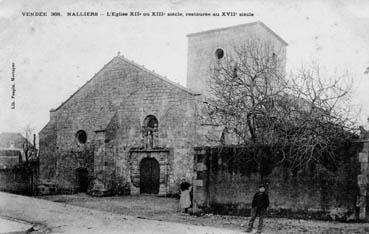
[[20, 179], [226, 184], [362, 203]]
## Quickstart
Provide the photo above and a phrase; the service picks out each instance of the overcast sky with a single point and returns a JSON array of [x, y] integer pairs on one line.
[[54, 56]]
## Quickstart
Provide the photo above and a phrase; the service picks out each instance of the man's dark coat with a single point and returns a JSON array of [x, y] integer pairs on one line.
[[260, 201]]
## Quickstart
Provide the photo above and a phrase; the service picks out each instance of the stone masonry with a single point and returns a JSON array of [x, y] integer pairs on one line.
[[111, 109], [127, 113], [202, 47], [362, 181]]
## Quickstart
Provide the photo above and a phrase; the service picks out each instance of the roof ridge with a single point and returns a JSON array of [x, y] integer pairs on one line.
[[274, 33], [70, 97], [237, 26], [152, 72], [135, 64]]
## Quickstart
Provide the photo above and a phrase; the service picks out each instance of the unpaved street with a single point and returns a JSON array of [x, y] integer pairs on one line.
[[140, 214], [166, 209], [63, 218]]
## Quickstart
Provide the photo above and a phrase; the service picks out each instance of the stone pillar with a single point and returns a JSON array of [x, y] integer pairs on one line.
[[99, 155], [135, 172], [362, 181], [163, 164], [200, 193], [52, 114], [143, 138]]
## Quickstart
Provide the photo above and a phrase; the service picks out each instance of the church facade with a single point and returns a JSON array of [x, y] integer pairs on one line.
[[130, 126]]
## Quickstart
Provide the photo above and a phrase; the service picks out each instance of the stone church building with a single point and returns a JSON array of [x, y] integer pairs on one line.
[[128, 126]]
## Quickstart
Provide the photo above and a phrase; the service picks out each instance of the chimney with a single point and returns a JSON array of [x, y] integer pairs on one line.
[[52, 114]]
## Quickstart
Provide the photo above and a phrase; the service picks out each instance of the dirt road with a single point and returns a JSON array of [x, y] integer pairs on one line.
[[166, 209], [129, 214], [64, 218]]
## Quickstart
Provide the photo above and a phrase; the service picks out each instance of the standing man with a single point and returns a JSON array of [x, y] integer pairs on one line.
[[260, 203]]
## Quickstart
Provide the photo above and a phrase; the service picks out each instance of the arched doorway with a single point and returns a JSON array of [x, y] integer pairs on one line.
[[149, 176], [82, 179]]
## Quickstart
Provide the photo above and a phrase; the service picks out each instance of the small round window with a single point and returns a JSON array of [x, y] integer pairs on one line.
[[219, 53], [81, 136]]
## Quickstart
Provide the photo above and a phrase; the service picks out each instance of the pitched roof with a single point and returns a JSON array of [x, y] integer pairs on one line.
[[83, 85], [164, 78], [239, 26], [15, 137], [139, 67]]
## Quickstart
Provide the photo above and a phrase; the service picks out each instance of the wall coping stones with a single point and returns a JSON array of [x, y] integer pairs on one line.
[[362, 180], [100, 130], [363, 157], [149, 150]]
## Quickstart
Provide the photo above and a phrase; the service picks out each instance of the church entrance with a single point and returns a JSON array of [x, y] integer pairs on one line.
[[149, 171], [82, 179], [149, 176]]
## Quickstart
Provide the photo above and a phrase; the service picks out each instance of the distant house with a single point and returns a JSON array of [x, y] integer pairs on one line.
[[18, 163], [13, 147], [12, 140]]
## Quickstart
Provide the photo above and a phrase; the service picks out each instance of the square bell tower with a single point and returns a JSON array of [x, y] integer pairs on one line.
[[207, 47]]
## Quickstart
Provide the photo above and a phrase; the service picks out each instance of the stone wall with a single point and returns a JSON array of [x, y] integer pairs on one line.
[[175, 110], [111, 109], [165, 159], [226, 184], [15, 181], [20, 179], [362, 182], [88, 109], [48, 149]]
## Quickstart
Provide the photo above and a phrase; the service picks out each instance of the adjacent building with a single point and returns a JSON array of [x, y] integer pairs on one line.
[[12, 146]]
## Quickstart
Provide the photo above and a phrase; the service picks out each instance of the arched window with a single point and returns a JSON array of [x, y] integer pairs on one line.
[[150, 131], [151, 121]]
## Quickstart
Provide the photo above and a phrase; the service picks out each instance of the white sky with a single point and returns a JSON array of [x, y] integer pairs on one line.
[[54, 56]]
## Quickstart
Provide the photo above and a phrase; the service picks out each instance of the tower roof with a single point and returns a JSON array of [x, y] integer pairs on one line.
[[239, 26]]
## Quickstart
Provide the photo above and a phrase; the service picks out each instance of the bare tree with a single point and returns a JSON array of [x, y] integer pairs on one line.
[[28, 147], [321, 116], [243, 86], [305, 117]]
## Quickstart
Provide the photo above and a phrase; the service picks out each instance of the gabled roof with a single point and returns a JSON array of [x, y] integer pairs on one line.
[[83, 85], [239, 26], [15, 137], [135, 65], [159, 76]]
